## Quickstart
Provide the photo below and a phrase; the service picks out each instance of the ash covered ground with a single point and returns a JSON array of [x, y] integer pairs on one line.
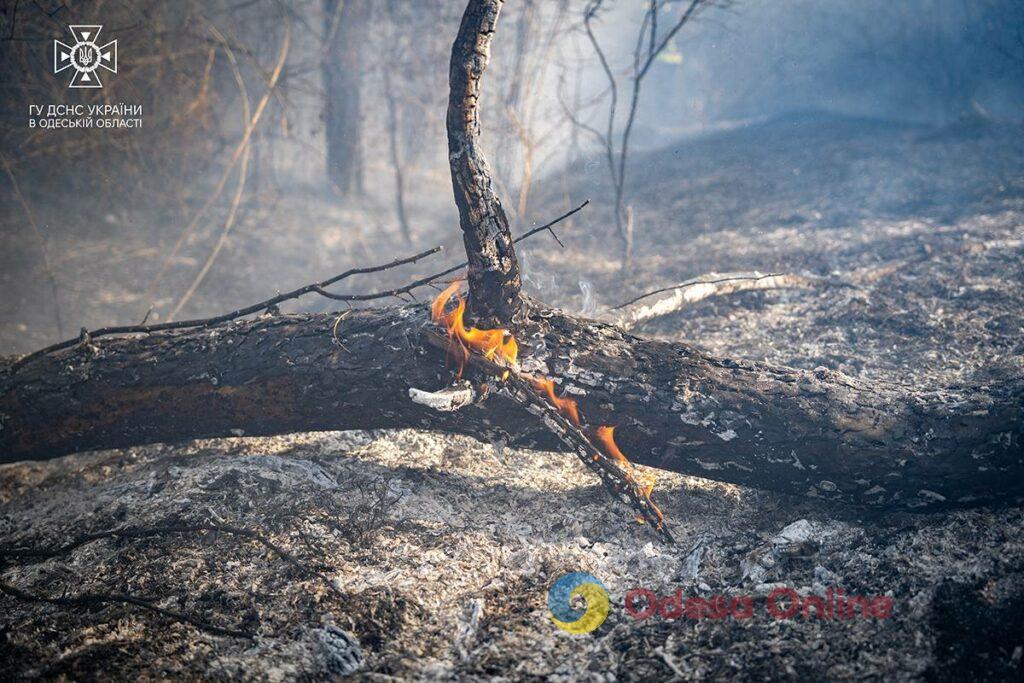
[[397, 555]]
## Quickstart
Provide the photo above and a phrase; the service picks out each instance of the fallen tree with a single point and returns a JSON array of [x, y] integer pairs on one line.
[[816, 433]]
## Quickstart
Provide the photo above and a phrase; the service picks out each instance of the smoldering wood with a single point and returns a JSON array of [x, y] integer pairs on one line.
[[576, 438], [494, 280], [812, 433]]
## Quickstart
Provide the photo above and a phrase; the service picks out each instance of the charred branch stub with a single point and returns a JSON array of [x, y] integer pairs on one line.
[[494, 283]]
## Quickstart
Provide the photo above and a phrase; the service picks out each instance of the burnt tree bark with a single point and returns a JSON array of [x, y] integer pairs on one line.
[[342, 67], [808, 433], [494, 283]]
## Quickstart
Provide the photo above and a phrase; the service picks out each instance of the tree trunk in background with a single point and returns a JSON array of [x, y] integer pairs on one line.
[[394, 133], [494, 283], [816, 433], [345, 24]]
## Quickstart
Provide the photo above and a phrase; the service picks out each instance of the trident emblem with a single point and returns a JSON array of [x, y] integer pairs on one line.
[[86, 56]]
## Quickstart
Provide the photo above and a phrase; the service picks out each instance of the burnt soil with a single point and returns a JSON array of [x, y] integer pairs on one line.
[[416, 555]]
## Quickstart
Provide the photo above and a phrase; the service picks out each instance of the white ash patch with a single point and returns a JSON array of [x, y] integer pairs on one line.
[[462, 532]]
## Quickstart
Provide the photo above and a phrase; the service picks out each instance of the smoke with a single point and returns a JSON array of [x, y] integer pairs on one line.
[[928, 61]]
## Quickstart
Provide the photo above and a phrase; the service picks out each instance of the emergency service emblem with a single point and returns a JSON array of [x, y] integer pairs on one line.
[[86, 56]]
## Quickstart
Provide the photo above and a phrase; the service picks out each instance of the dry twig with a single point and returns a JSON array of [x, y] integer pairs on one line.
[[271, 303], [620, 483]]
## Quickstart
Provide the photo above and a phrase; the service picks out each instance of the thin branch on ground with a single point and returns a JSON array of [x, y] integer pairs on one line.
[[87, 600], [91, 599], [619, 482], [629, 313], [40, 554], [704, 280]]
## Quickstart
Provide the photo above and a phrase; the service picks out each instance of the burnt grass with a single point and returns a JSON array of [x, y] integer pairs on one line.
[[435, 553]]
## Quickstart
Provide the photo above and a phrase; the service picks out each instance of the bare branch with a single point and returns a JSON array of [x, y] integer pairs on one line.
[[205, 322], [690, 292], [243, 170], [317, 287]]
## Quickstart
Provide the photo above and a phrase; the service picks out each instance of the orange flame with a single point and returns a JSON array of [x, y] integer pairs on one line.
[[606, 437], [499, 344], [492, 344], [566, 406]]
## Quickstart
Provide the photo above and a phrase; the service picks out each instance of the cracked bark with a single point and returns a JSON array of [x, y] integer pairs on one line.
[[494, 283], [815, 433]]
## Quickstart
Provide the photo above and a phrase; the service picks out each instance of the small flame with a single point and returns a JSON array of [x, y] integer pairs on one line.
[[492, 344], [566, 406], [500, 345], [649, 485], [606, 437]]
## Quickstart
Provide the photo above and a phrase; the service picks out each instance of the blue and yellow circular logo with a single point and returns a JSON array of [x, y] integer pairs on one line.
[[575, 620]]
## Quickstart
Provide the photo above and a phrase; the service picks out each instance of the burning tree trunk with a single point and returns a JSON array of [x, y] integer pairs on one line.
[[494, 284], [809, 433]]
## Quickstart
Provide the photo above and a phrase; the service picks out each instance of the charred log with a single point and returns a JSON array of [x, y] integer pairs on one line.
[[816, 433]]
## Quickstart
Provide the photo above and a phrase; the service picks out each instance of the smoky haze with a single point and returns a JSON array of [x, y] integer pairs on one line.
[[345, 162], [781, 322], [925, 61]]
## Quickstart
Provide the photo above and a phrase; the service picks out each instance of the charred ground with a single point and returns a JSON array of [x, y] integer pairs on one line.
[[436, 552]]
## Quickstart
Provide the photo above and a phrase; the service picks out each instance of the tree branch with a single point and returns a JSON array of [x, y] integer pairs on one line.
[[632, 312]]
